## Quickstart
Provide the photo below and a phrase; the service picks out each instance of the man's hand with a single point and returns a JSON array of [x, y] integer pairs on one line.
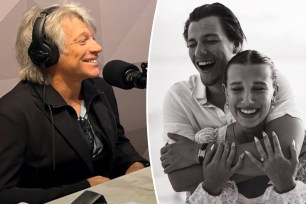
[[183, 153], [97, 180], [135, 167]]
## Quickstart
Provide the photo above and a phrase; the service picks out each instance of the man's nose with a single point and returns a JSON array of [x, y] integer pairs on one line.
[[95, 47], [200, 50]]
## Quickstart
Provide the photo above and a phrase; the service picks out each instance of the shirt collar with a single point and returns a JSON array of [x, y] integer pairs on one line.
[[199, 90], [53, 98]]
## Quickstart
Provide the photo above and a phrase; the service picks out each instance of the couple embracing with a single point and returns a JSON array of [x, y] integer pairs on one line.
[[234, 132]]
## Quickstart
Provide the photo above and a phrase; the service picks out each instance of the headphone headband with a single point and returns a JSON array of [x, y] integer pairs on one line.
[[49, 10]]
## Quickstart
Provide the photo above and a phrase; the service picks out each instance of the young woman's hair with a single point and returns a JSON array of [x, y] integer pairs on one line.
[[53, 30], [228, 21], [251, 57]]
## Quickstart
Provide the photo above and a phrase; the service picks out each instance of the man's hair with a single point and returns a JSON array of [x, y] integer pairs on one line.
[[54, 33], [251, 57], [228, 20]]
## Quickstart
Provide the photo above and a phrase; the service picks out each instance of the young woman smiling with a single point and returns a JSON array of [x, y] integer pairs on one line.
[[250, 88]]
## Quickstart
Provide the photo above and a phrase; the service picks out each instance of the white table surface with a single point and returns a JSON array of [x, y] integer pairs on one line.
[[133, 188]]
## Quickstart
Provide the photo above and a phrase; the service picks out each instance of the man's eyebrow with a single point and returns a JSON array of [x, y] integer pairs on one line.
[[210, 35], [83, 34], [205, 36]]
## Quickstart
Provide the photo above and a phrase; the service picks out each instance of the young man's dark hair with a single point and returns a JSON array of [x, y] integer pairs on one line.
[[228, 21]]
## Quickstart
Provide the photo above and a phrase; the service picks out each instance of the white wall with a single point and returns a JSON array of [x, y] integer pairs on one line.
[[276, 28]]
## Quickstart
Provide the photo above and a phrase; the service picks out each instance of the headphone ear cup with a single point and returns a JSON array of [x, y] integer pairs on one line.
[[42, 51], [36, 55], [44, 55], [52, 53]]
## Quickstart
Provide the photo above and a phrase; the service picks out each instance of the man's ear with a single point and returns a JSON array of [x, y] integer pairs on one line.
[[275, 86], [224, 89], [226, 95], [237, 47]]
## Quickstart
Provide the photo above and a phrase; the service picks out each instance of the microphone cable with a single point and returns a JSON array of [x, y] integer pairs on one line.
[[43, 115], [40, 141], [53, 137]]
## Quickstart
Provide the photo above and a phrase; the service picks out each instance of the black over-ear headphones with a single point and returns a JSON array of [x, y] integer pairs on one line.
[[42, 52]]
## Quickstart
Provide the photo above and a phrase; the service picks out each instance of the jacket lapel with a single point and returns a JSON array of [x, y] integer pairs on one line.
[[106, 118], [64, 123], [97, 100], [67, 127]]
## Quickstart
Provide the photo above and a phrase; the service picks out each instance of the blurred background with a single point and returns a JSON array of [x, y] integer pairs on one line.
[[123, 30], [275, 28]]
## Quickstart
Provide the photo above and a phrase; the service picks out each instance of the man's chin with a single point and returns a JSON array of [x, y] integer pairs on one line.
[[95, 74]]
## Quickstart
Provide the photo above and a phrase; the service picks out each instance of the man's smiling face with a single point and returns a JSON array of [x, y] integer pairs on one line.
[[209, 49]]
